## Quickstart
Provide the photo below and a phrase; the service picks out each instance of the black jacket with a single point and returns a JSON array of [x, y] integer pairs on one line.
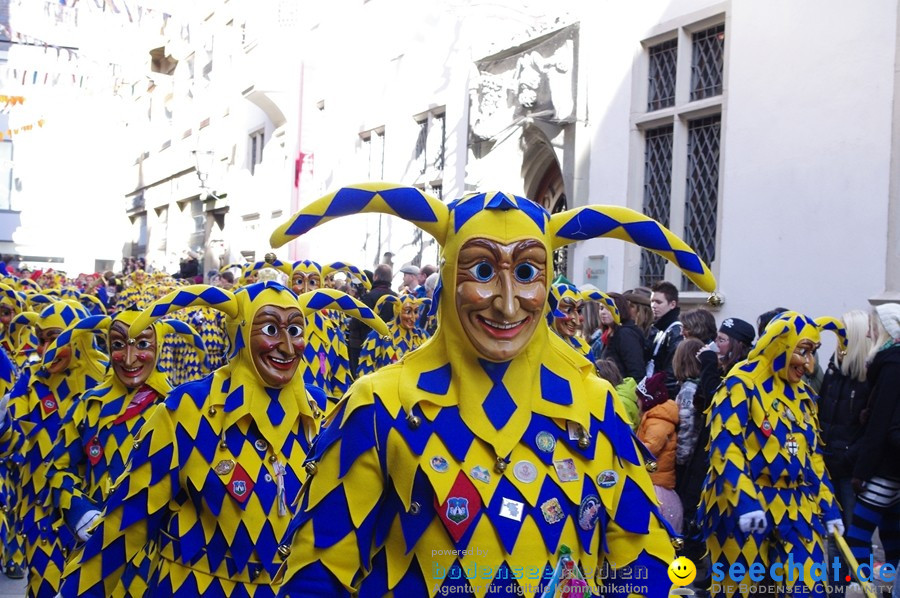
[[626, 349], [662, 357], [358, 331], [841, 401], [880, 441]]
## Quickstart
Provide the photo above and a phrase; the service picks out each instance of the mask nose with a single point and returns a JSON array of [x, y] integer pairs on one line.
[[506, 302]]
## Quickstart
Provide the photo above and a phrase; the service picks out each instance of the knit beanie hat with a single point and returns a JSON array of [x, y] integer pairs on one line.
[[652, 391], [889, 314], [739, 330]]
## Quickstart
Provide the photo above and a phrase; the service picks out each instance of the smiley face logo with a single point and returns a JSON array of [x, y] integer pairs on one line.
[[682, 571]]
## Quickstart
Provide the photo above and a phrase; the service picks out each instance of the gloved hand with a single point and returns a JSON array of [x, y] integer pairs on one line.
[[835, 525], [82, 529], [754, 521]]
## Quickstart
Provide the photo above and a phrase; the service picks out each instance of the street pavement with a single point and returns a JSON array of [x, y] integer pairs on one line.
[[11, 588]]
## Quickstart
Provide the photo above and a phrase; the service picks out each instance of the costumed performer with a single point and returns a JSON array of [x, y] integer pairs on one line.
[[379, 351], [566, 303]]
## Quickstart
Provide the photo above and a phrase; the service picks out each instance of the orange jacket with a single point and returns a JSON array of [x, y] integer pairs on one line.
[[657, 432]]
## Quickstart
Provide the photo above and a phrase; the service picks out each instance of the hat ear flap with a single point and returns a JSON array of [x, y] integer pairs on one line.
[[836, 326], [320, 299], [195, 295], [596, 221], [409, 203], [187, 331], [98, 323], [608, 302]]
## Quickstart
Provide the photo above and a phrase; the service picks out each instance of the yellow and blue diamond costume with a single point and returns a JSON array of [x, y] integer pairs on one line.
[[19, 346], [326, 363], [214, 469], [567, 293], [35, 417], [443, 463], [765, 455], [379, 351], [98, 434]]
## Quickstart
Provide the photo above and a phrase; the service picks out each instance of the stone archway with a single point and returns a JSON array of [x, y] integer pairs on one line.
[[544, 184]]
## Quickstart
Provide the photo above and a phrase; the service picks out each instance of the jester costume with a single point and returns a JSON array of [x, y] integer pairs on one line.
[[19, 346], [214, 469], [765, 457], [36, 413], [379, 351], [98, 434], [325, 360], [448, 465], [566, 302]]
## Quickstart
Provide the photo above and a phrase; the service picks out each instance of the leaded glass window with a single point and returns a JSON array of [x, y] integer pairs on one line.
[[707, 62], [657, 194], [702, 197], [661, 83]]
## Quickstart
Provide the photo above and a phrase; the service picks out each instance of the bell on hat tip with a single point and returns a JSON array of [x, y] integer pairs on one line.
[[270, 258], [652, 466], [715, 299]]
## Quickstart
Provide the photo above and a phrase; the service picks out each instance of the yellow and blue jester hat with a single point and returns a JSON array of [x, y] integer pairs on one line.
[[562, 291], [349, 269]]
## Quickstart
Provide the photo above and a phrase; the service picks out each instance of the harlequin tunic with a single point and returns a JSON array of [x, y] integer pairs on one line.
[[209, 480], [765, 455], [391, 502], [378, 352], [325, 361]]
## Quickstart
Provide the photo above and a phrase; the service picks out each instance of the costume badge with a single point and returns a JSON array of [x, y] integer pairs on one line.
[[439, 464], [545, 442], [776, 404], [574, 430], [460, 508], [766, 428], [48, 404], [240, 485], [552, 511], [525, 471], [511, 509], [94, 451], [224, 466], [607, 478], [791, 445], [481, 474], [790, 416], [566, 471], [260, 444], [589, 512]]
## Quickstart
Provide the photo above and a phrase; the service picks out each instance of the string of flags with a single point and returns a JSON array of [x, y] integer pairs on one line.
[[20, 129]]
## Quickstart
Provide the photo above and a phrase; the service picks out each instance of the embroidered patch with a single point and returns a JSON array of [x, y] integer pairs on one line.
[[240, 485], [565, 469], [48, 404], [525, 471], [460, 508], [481, 474], [589, 512], [552, 511], [792, 446], [94, 451], [545, 442], [607, 478], [511, 509]]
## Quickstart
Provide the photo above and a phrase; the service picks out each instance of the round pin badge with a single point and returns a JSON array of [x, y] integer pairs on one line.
[[589, 512], [261, 444], [525, 471], [545, 442], [439, 464], [607, 478]]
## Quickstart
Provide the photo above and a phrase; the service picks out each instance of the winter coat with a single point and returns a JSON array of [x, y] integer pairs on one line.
[[841, 401], [626, 392], [880, 441], [359, 330], [688, 422], [665, 336], [657, 432], [625, 347]]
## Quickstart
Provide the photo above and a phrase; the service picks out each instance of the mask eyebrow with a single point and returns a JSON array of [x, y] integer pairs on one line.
[[527, 245]]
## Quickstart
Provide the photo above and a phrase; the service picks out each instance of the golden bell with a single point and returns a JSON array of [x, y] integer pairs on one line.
[[212, 410], [270, 258], [652, 466], [223, 445], [677, 543], [284, 551], [414, 421], [272, 458], [584, 442], [715, 300], [137, 443], [501, 465], [311, 468]]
